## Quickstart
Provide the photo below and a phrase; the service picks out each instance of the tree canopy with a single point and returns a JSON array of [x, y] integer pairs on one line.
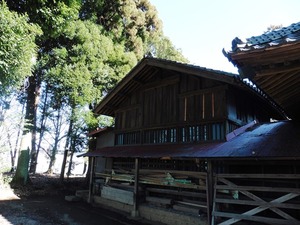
[[84, 49], [17, 49], [135, 24], [84, 64]]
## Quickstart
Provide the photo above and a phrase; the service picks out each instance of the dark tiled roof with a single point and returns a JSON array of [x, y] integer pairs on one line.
[[273, 38]]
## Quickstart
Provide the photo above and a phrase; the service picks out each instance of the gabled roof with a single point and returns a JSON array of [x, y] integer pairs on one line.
[[147, 68], [279, 140]]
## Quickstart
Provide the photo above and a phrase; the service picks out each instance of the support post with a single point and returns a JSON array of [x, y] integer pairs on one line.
[[135, 211], [209, 190], [91, 180]]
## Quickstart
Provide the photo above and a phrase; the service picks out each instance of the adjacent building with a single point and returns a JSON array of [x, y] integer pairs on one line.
[[193, 145], [271, 61]]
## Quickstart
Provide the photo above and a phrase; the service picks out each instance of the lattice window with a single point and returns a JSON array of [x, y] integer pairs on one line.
[[156, 136], [129, 138], [204, 132]]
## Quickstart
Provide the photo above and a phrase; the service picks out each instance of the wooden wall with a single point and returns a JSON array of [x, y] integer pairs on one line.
[[170, 100], [243, 108], [173, 102]]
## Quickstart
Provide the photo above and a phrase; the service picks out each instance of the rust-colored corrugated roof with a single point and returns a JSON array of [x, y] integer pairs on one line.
[[154, 151], [280, 140]]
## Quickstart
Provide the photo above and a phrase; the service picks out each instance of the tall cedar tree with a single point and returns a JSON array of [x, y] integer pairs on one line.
[[17, 53], [86, 48]]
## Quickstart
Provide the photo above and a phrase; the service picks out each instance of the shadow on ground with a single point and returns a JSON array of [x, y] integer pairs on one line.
[[42, 202]]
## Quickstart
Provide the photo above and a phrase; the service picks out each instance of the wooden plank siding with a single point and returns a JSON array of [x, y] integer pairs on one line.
[[162, 110], [160, 106], [161, 103], [202, 105], [179, 108], [242, 108]]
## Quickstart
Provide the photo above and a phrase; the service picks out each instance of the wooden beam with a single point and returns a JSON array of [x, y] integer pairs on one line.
[[238, 217], [266, 56], [161, 83], [261, 176], [283, 69], [190, 204], [137, 81], [257, 203], [288, 93], [209, 190], [128, 107], [203, 91], [285, 80], [135, 212], [160, 201], [263, 206], [264, 81], [268, 82], [178, 193], [188, 173], [257, 188], [91, 180]]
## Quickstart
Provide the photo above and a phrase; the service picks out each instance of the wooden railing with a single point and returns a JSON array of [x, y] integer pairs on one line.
[[214, 131], [183, 191], [262, 198]]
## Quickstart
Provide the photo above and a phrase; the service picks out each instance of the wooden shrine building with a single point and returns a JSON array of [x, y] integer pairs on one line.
[[272, 61], [203, 146]]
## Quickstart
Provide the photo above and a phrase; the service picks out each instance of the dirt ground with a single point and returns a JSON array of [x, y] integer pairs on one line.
[[42, 203]]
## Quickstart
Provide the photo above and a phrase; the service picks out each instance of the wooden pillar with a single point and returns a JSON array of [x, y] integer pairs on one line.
[[209, 190], [135, 211], [91, 180]]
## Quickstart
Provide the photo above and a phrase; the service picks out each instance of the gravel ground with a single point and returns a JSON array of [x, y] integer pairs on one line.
[[43, 203]]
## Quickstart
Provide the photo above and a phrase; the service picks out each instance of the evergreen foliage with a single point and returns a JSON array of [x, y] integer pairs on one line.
[[17, 49], [84, 49]]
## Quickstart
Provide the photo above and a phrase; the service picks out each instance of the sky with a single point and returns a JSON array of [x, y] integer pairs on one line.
[[202, 28]]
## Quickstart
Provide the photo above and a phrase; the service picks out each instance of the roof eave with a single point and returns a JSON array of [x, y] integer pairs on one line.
[[119, 86]]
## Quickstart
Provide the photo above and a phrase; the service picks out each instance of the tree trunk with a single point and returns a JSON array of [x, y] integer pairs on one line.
[[57, 125], [51, 163], [53, 154], [71, 160], [63, 166], [21, 176], [43, 122], [11, 150], [89, 169], [33, 93], [15, 152]]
